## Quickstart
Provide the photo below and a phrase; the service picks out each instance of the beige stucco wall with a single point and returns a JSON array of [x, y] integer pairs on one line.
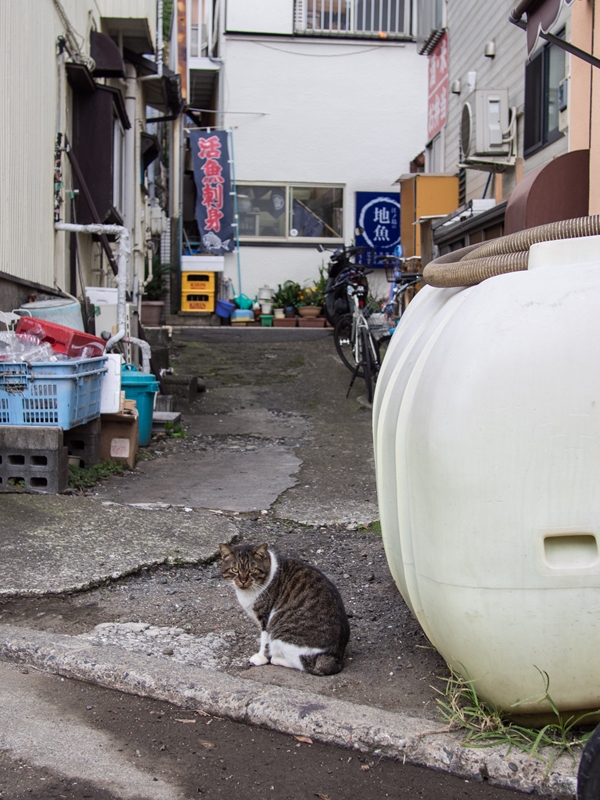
[[37, 102], [585, 92], [595, 119]]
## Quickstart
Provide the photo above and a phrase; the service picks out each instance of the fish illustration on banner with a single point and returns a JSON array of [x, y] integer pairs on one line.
[[214, 207]]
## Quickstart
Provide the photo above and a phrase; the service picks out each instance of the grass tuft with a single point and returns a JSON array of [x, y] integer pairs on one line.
[[82, 478], [485, 725]]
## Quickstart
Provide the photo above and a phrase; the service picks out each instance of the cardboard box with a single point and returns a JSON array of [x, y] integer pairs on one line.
[[119, 435]]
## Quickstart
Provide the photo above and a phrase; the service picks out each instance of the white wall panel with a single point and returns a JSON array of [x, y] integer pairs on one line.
[[260, 16], [471, 25], [340, 113], [35, 100], [28, 34]]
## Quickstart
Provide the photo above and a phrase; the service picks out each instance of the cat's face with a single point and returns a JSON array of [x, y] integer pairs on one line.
[[245, 565]]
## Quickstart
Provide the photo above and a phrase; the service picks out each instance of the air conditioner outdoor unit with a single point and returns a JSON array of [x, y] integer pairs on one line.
[[484, 125]]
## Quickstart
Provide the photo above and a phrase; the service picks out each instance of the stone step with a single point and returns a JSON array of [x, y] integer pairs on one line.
[[161, 418]]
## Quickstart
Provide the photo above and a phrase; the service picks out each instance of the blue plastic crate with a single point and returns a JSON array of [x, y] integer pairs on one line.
[[65, 393]]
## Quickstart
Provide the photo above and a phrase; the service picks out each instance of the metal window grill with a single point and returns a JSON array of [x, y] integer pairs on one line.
[[353, 16]]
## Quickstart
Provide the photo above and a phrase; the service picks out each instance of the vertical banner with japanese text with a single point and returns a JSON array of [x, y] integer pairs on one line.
[[214, 204], [378, 214], [437, 104]]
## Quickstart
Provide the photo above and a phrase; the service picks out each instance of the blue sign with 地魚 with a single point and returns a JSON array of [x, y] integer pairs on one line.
[[378, 214]]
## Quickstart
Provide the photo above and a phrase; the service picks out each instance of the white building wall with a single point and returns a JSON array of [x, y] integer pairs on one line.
[[35, 100], [28, 34], [470, 26], [351, 113]]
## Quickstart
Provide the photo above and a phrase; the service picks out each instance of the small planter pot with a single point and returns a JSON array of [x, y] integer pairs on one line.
[[311, 322], [152, 311], [278, 313], [289, 312], [309, 311]]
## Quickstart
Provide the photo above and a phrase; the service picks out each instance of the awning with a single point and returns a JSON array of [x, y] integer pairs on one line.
[[162, 92], [541, 15], [150, 148], [80, 78], [106, 54]]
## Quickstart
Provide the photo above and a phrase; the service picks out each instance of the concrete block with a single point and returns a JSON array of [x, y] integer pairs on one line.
[[161, 418], [183, 387], [33, 459], [164, 402], [84, 442]]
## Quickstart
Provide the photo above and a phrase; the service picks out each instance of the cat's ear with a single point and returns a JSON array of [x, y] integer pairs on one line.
[[261, 551], [226, 550]]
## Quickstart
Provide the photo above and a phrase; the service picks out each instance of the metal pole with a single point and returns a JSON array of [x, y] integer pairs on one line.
[[235, 210]]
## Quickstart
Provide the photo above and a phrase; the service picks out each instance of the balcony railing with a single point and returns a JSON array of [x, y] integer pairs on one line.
[[347, 17]]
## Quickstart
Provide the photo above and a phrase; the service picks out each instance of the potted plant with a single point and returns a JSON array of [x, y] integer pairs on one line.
[[311, 299], [154, 292], [286, 297]]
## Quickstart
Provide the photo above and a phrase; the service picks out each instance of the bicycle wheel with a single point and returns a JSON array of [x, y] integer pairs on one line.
[[381, 345], [368, 364], [343, 337]]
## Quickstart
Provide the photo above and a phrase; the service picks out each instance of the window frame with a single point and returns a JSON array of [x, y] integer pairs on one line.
[[538, 82], [288, 239], [301, 17]]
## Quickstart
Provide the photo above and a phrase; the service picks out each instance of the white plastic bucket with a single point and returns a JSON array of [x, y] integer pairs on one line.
[[487, 445], [265, 294], [62, 312]]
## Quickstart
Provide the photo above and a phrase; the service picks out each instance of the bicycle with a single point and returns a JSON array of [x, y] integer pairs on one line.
[[401, 291], [336, 300], [353, 337], [362, 336]]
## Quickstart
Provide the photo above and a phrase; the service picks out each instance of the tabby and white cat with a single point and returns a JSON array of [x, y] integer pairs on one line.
[[299, 611]]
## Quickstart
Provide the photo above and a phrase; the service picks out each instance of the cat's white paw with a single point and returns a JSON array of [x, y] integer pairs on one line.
[[258, 659]]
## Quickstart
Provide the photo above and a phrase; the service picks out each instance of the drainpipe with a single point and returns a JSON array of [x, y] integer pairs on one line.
[[123, 253]]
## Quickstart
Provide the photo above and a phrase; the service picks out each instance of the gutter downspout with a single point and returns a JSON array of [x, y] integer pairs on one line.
[[123, 253]]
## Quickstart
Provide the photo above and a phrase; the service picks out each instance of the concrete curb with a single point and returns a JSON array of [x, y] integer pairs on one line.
[[369, 730]]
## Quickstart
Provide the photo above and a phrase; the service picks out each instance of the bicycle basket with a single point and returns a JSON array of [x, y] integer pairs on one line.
[[379, 324]]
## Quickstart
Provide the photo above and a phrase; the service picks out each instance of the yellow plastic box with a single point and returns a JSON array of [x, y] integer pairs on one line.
[[198, 301], [197, 282]]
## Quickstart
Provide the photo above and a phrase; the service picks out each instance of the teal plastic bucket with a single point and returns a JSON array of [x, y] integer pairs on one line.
[[62, 312], [142, 388]]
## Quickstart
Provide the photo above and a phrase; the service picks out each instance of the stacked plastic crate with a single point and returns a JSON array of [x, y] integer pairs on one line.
[[40, 401], [198, 292]]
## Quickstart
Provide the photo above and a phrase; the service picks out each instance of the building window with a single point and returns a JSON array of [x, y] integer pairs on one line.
[[374, 17], [289, 212], [542, 76]]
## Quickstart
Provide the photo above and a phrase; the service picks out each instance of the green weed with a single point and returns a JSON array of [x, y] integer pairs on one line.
[[373, 527], [82, 478], [174, 431], [485, 725]]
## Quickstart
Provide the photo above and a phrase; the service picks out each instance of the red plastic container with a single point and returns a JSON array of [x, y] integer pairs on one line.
[[62, 339]]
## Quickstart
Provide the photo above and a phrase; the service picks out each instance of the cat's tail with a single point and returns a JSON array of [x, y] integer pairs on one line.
[[322, 664]]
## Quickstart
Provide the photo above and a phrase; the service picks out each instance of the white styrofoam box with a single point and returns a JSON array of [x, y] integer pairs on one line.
[[202, 263], [486, 425], [110, 400], [101, 295]]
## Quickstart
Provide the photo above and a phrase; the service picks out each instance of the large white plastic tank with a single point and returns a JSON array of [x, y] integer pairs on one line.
[[487, 445]]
